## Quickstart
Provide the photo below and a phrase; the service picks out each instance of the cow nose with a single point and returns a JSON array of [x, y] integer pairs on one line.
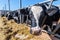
[[35, 30]]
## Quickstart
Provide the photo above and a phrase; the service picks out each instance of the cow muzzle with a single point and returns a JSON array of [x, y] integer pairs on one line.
[[35, 30]]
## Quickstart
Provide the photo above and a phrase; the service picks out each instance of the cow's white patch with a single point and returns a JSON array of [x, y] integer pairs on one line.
[[16, 18], [36, 12]]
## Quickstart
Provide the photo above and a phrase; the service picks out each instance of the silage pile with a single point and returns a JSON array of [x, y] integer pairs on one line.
[[9, 30]]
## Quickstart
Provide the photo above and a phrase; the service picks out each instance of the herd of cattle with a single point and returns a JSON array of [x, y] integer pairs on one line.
[[37, 16]]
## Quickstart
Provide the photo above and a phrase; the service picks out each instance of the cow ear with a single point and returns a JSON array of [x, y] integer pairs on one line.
[[51, 11]]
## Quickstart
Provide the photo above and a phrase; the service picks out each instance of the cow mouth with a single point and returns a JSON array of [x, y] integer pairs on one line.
[[35, 30]]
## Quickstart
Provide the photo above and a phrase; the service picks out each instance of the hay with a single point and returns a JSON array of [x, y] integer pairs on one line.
[[9, 30]]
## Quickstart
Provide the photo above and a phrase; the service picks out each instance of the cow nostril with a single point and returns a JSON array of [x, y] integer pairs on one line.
[[35, 31]]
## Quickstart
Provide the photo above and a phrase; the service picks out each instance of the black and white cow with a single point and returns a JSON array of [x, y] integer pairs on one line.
[[34, 13], [13, 15], [9, 15], [25, 13], [38, 12]]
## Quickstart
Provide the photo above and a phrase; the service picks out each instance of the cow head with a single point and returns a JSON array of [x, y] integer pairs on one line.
[[35, 15]]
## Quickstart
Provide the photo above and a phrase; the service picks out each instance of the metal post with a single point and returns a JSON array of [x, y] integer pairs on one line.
[[27, 20], [51, 4], [22, 18], [57, 27], [20, 12], [5, 10], [9, 4], [20, 3]]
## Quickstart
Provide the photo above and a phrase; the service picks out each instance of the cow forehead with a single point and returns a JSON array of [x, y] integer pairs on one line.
[[36, 9]]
